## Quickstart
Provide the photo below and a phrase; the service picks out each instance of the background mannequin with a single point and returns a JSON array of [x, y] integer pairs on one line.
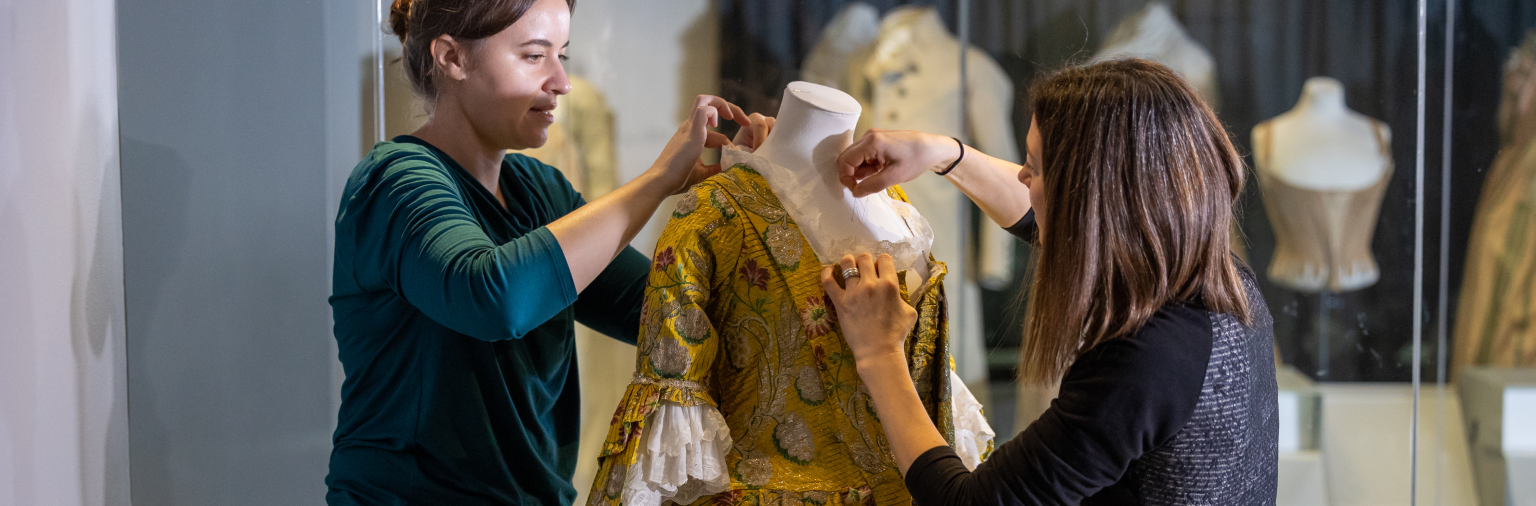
[[853, 29], [1495, 311], [1323, 170], [908, 80], [1155, 34]]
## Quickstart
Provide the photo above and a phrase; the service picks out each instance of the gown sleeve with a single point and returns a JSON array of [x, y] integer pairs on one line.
[[668, 440]]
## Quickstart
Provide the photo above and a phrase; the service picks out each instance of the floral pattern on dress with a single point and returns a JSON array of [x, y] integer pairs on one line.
[[817, 316], [670, 359], [665, 259], [754, 275], [736, 320], [808, 385], [792, 437], [786, 245], [686, 205]]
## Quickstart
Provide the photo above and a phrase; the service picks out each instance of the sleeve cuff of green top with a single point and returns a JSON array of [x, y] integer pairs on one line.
[[555, 258]]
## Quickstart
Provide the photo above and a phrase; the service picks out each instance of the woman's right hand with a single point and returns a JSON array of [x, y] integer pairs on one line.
[[883, 158], [679, 167]]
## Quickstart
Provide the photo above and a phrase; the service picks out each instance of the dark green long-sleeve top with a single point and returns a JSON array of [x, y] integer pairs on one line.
[[455, 322]]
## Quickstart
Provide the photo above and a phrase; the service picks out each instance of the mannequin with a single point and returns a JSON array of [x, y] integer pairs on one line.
[[1155, 34], [1323, 170], [908, 80], [1496, 308], [743, 388], [852, 29], [799, 158]]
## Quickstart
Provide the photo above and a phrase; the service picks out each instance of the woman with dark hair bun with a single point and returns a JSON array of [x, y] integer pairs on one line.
[[460, 270], [1157, 333]]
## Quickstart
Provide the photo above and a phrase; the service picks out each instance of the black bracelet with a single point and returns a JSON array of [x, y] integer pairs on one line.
[[952, 166]]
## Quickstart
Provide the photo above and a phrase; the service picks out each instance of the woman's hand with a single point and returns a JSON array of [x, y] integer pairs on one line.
[[679, 167], [874, 318], [753, 135], [875, 321], [882, 158]]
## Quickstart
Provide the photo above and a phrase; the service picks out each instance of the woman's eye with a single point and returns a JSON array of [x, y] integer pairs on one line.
[[564, 57], [535, 58]]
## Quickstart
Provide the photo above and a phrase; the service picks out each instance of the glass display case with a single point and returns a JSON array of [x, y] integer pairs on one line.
[[1389, 210]]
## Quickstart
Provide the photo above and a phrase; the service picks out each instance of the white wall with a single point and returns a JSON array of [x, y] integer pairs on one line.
[[63, 410]]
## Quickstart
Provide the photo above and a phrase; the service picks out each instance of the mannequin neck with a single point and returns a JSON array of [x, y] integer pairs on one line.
[[1152, 32], [1157, 24], [1322, 98], [923, 25], [814, 125]]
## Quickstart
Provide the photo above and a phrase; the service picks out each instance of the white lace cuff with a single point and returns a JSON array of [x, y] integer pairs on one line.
[[681, 456], [972, 434]]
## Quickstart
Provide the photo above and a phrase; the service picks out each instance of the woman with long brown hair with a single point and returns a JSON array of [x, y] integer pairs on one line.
[[461, 270], [1158, 335]]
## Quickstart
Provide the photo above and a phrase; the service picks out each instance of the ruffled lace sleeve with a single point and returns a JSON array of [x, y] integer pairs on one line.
[[668, 440], [973, 436]]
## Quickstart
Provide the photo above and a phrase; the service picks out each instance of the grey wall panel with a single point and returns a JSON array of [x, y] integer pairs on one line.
[[226, 248]]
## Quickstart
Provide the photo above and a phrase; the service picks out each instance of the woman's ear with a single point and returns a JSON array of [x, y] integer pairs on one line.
[[451, 57]]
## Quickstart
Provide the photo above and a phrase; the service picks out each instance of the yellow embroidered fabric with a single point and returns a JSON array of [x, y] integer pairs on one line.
[[736, 318]]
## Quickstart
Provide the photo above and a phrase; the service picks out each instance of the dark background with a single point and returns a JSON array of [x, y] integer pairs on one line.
[[1264, 50]]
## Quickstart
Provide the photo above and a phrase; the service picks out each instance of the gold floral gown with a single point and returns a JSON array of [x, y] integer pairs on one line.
[[745, 392]]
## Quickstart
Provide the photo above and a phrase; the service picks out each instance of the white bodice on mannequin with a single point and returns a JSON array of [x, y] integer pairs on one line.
[[908, 79], [1155, 34], [1323, 170]]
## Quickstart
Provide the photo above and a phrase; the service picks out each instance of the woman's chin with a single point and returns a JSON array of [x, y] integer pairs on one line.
[[531, 139]]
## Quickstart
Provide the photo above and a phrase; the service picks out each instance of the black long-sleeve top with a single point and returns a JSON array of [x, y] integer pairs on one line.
[[1181, 412]]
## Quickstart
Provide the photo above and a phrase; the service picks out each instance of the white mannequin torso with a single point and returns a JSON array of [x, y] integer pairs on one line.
[[1322, 145], [814, 125], [1323, 170]]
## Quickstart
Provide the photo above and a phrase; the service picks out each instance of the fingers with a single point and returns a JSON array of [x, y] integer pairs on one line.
[[704, 115], [866, 264], [886, 267], [875, 183], [760, 126], [719, 104], [854, 158], [713, 139], [829, 283], [703, 172], [844, 264], [738, 115]]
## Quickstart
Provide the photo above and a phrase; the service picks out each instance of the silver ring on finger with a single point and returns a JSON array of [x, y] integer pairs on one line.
[[850, 273]]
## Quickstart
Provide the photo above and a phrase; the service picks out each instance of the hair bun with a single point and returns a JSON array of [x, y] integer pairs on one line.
[[400, 18]]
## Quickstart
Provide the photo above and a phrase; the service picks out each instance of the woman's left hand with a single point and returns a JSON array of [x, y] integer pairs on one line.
[[755, 132], [874, 318]]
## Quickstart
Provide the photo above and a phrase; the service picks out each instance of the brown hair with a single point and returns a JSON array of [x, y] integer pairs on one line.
[[1140, 183], [418, 22]]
